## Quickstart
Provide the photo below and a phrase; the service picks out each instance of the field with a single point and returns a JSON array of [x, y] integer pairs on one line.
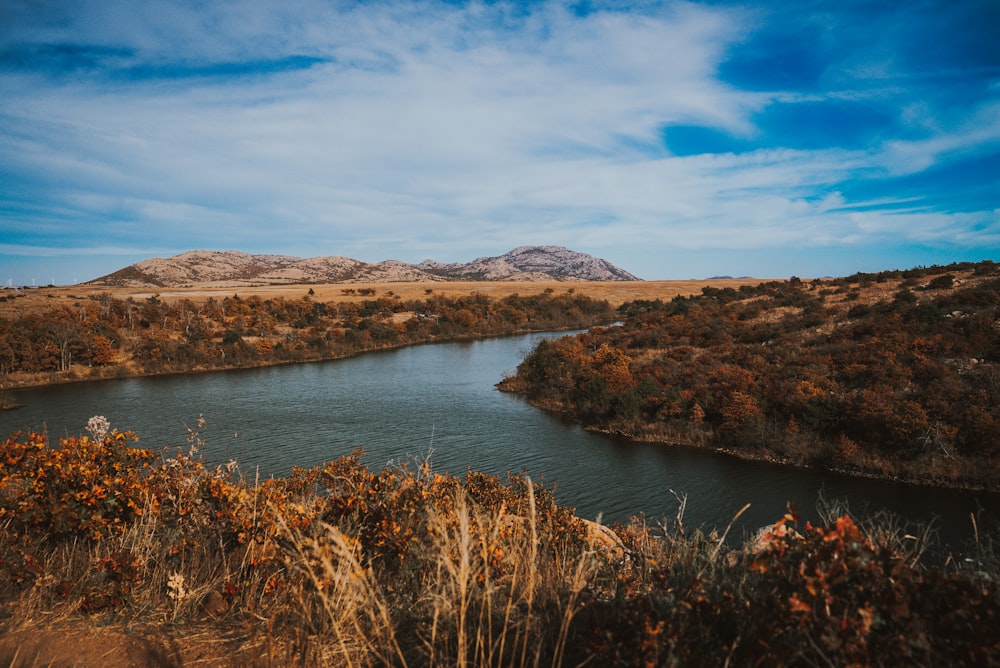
[[616, 293]]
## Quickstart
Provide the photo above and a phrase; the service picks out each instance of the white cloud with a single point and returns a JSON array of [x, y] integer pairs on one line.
[[449, 116], [425, 127], [979, 131]]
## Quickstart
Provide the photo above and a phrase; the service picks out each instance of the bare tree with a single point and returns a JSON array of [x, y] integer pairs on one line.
[[65, 332]]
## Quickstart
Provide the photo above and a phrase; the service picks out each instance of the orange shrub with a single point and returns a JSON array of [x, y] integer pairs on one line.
[[90, 486]]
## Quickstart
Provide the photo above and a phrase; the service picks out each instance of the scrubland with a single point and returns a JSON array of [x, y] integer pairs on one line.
[[894, 375], [115, 555], [103, 336]]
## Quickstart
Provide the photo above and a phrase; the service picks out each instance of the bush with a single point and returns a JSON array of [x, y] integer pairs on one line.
[[89, 486]]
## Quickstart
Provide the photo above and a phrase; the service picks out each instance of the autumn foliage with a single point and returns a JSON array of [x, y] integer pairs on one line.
[[822, 596], [103, 336], [342, 565], [894, 374]]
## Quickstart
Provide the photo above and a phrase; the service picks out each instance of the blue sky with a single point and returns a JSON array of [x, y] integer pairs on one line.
[[678, 140]]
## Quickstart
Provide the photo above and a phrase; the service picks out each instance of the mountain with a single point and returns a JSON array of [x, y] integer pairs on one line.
[[203, 268], [545, 262]]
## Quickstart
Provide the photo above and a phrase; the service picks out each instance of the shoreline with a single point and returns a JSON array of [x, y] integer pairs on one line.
[[122, 373], [764, 458]]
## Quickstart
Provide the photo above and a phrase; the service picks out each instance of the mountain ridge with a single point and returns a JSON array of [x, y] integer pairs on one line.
[[204, 268]]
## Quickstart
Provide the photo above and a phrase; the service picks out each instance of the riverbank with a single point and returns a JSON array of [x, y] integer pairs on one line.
[[890, 376], [965, 485], [13, 382], [654, 435], [106, 337], [96, 331]]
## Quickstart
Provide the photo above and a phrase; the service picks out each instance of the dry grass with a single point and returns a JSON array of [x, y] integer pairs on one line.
[[616, 292]]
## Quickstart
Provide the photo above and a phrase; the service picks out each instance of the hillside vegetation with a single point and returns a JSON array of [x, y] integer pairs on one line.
[[103, 336], [895, 374], [146, 558]]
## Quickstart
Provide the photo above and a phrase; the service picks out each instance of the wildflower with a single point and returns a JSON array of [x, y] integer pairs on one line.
[[175, 586], [98, 427]]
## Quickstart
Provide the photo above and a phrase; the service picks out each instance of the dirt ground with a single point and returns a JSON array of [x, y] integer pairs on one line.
[[79, 644], [28, 300]]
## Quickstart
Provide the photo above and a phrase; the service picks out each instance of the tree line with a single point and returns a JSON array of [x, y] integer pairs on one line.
[[102, 335]]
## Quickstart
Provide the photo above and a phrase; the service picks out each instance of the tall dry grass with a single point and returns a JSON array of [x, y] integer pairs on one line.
[[481, 591]]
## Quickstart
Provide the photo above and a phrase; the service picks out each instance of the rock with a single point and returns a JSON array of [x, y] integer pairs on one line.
[[214, 604]]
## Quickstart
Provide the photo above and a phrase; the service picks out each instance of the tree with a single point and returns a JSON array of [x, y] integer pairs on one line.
[[64, 331], [738, 410], [100, 350], [614, 366]]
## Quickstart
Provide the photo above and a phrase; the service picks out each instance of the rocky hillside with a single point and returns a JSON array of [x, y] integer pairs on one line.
[[527, 262], [233, 268]]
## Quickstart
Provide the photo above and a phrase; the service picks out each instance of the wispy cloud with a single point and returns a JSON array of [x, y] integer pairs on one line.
[[427, 129]]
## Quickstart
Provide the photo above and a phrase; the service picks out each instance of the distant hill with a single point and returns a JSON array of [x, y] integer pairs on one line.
[[202, 268]]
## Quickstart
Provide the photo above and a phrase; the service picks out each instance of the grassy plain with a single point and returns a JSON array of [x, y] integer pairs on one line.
[[616, 292]]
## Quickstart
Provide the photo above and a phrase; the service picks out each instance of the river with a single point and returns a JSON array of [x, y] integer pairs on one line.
[[439, 401]]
